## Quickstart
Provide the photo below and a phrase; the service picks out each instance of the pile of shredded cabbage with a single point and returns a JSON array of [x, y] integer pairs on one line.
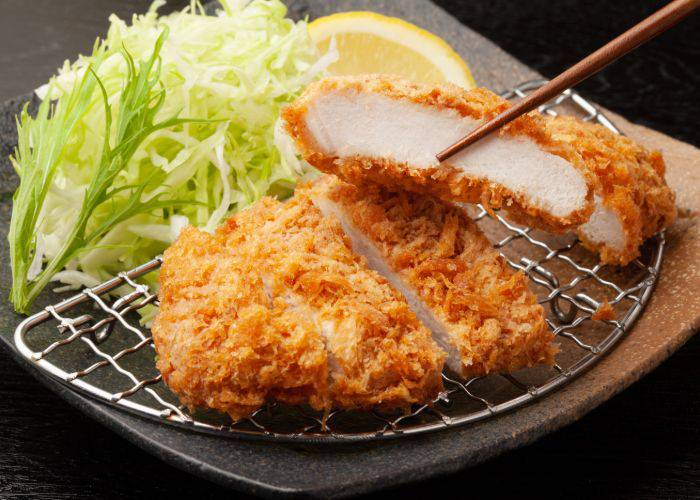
[[237, 69]]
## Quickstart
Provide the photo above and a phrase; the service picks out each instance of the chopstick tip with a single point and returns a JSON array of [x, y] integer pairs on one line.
[[444, 154]]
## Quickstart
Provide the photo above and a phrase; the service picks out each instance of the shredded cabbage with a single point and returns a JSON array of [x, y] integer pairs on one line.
[[235, 70]]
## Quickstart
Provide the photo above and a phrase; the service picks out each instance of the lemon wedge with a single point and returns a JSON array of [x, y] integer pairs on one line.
[[372, 43]]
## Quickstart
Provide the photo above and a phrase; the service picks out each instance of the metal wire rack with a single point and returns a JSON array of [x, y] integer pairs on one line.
[[93, 343]]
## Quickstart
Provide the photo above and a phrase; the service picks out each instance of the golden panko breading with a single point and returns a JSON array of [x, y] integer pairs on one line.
[[277, 306], [633, 201], [487, 318], [388, 130]]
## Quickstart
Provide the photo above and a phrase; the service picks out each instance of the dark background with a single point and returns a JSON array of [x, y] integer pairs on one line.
[[644, 443]]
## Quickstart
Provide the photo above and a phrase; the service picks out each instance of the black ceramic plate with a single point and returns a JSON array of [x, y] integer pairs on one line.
[[265, 467]]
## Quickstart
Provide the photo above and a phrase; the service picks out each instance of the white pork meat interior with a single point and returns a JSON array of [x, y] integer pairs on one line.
[[348, 123], [604, 227]]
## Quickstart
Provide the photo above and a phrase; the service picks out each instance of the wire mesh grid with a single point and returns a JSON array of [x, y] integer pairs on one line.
[[96, 345]]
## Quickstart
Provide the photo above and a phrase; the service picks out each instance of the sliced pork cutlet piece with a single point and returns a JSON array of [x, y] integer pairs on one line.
[[388, 130], [277, 306], [480, 311], [632, 199], [222, 342]]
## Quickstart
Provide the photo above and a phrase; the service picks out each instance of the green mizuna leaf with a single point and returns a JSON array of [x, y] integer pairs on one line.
[[41, 145]]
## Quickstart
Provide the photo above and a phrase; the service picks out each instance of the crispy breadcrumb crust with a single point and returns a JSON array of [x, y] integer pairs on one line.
[[443, 181], [243, 313], [221, 342], [605, 312], [628, 178], [486, 307]]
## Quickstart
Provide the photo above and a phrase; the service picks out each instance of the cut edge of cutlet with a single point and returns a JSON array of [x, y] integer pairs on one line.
[[384, 356], [526, 342], [444, 180], [628, 181], [363, 246]]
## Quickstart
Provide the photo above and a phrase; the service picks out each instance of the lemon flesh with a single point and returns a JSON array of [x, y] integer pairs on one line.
[[371, 43]]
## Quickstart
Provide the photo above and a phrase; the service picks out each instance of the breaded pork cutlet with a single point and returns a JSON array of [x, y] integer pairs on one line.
[[276, 306], [632, 199], [480, 311], [388, 130]]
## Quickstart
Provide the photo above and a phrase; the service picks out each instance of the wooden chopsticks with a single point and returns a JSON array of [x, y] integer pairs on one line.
[[652, 26]]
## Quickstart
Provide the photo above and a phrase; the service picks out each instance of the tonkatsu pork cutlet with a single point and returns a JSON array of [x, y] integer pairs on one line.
[[480, 311], [277, 306], [388, 130], [632, 199]]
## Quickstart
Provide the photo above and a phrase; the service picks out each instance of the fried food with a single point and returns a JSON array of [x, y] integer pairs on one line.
[[340, 298], [388, 130], [480, 311], [276, 306], [632, 199]]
